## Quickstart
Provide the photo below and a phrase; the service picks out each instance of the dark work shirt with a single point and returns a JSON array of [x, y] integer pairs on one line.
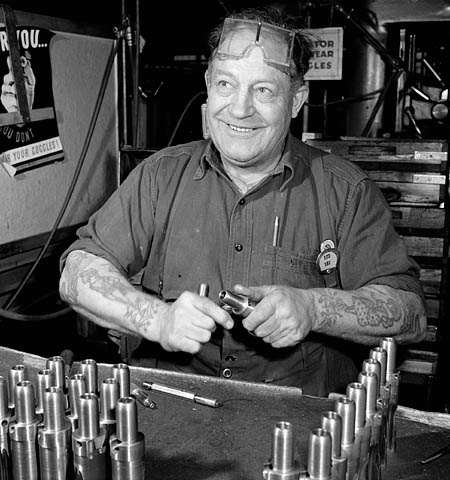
[[181, 220]]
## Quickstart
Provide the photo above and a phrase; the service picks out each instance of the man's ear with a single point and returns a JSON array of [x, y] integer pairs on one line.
[[300, 97], [207, 78]]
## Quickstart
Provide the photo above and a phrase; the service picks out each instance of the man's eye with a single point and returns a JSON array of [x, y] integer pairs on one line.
[[264, 94], [224, 87]]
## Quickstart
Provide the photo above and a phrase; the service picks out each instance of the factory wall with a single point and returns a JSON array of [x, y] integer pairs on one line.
[[30, 201]]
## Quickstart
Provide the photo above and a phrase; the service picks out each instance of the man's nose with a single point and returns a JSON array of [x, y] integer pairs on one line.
[[242, 104]]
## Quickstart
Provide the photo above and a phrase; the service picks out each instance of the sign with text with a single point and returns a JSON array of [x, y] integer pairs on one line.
[[326, 62], [24, 146]]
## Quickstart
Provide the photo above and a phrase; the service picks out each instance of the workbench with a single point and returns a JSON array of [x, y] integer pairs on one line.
[[185, 440]]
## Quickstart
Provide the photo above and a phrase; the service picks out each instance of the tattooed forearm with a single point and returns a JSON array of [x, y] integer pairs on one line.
[[371, 311], [141, 315]]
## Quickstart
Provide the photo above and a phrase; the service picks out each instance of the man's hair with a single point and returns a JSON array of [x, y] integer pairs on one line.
[[303, 46]]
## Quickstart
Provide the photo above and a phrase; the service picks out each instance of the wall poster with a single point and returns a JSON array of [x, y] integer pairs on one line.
[[24, 146]]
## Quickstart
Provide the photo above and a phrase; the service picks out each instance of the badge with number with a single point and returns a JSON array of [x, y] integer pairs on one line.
[[328, 258]]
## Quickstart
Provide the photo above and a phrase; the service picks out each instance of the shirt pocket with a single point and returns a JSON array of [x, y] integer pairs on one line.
[[283, 267]]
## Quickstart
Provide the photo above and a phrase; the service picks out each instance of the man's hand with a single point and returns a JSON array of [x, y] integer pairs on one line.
[[189, 323], [282, 316]]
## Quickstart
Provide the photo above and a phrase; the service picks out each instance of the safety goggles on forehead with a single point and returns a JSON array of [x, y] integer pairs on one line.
[[240, 36]]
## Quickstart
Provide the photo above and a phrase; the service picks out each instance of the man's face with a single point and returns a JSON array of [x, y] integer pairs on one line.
[[9, 97], [250, 106]]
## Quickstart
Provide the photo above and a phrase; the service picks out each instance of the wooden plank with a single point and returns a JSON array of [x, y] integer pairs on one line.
[[415, 193], [406, 177], [409, 217], [424, 247]]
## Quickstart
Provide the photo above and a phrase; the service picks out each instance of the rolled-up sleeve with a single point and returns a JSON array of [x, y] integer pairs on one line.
[[121, 230], [372, 252]]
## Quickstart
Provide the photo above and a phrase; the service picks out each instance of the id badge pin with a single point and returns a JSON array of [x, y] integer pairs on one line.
[[328, 258]]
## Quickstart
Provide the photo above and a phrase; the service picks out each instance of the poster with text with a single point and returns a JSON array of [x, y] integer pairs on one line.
[[25, 146]]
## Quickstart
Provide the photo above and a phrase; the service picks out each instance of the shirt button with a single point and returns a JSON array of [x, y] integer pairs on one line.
[[226, 372], [242, 201], [238, 247]]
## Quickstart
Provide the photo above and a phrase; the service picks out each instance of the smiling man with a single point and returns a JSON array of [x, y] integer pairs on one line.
[[305, 236]]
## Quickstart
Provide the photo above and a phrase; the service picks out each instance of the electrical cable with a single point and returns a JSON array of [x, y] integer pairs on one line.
[[183, 113], [17, 316], [365, 96], [136, 76]]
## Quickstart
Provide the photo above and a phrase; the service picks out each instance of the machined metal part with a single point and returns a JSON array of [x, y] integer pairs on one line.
[[390, 345], [58, 366], [45, 379], [5, 415], [319, 455], [77, 388], [283, 465], [54, 437], [109, 394], [23, 431], [332, 422], [143, 398], [89, 441], [127, 445], [370, 381], [346, 408], [17, 373], [121, 372], [239, 304], [380, 354], [203, 289], [89, 369], [5, 419], [356, 391], [373, 365], [393, 380]]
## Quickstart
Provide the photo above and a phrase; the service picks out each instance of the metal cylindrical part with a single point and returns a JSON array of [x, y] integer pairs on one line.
[[5, 416], [390, 345], [25, 402], [17, 373], [370, 381], [283, 446], [54, 437], [345, 407], [56, 364], [4, 407], [88, 416], [45, 379], [126, 417], [319, 454], [357, 392], [89, 369], [77, 387], [109, 395], [127, 446], [23, 433], [89, 442], [121, 372], [239, 304], [203, 289], [380, 354], [332, 422], [372, 365], [54, 417]]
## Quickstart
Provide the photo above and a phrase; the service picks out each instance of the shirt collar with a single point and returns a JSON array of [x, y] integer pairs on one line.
[[211, 158]]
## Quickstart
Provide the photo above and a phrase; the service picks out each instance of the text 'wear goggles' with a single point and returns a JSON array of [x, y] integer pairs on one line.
[[240, 36]]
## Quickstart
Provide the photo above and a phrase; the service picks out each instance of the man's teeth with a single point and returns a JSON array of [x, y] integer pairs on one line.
[[240, 129]]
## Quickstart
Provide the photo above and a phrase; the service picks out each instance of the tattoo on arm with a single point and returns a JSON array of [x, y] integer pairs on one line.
[[372, 311], [137, 311]]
